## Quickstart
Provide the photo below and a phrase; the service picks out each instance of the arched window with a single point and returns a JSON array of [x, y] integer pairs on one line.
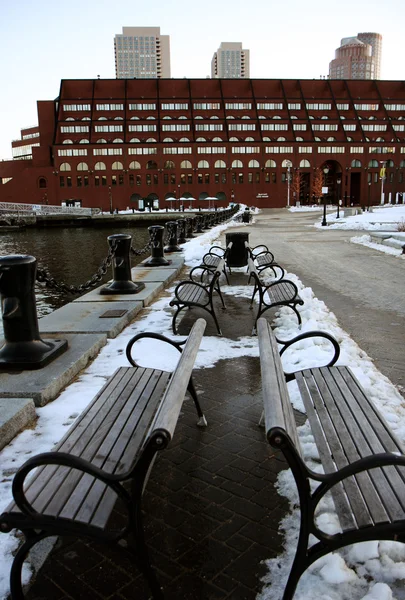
[[169, 164], [152, 140], [100, 166], [355, 163], [198, 117], [150, 118], [69, 119], [151, 165], [102, 119], [262, 117], [245, 117], [203, 164], [182, 117], [134, 165], [86, 119], [234, 139], [168, 140], [118, 118], [293, 117], [83, 141], [299, 139], [349, 139], [220, 164], [184, 140], [286, 163], [118, 141], [276, 117], [249, 139], [373, 164], [135, 118], [82, 166], [305, 164], [65, 167], [237, 163], [200, 139], [390, 164], [254, 164], [134, 141], [42, 183], [317, 139], [101, 141], [67, 142], [117, 166], [281, 139], [270, 164], [230, 117], [402, 164], [380, 139], [186, 164], [266, 139], [324, 117], [331, 139], [217, 139], [167, 117]]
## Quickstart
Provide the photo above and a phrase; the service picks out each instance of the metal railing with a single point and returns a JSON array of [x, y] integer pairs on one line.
[[44, 209]]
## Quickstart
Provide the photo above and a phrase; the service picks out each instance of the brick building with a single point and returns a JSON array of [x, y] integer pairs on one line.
[[113, 143]]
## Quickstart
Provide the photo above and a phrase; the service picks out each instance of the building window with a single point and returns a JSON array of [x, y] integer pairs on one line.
[[121, 179], [250, 177], [79, 181], [62, 181], [257, 177], [138, 180], [69, 181], [104, 180], [96, 180], [189, 178], [148, 179]]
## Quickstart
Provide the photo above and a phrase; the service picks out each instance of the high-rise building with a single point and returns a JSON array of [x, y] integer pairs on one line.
[[357, 58], [142, 53], [375, 41], [230, 61]]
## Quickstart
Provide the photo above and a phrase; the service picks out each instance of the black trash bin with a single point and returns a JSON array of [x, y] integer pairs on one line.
[[238, 256], [246, 216]]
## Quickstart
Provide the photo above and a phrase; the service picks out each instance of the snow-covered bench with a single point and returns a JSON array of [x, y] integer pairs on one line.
[[362, 460]]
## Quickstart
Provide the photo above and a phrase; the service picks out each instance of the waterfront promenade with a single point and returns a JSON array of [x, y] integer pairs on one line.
[[212, 511]]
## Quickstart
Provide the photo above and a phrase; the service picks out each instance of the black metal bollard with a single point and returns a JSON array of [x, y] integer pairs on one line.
[[198, 228], [23, 348], [181, 231], [189, 228], [172, 246], [122, 282], [157, 258]]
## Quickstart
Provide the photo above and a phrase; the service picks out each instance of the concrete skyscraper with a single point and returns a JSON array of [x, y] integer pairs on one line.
[[141, 52], [230, 61], [357, 58]]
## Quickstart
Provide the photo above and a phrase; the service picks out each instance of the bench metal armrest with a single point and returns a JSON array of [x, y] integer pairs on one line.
[[211, 251], [263, 253], [154, 336], [307, 335], [67, 460], [259, 249], [384, 459], [203, 270]]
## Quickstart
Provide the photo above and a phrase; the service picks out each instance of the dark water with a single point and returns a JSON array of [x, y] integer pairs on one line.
[[72, 255]]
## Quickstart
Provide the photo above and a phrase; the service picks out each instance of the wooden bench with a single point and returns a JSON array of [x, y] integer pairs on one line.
[[211, 260], [264, 259], [189, 293], [362, 460], [113, 443], [278, 293]]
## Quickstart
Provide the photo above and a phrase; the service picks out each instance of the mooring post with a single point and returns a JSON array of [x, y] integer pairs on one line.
[[171, 227], [121, 265], [23, 348], [157, 258]]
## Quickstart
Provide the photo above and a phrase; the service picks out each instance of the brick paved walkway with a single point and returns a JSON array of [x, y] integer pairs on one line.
[[211, 510]]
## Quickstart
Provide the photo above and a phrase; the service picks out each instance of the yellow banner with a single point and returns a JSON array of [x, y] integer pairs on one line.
[[382, 172]]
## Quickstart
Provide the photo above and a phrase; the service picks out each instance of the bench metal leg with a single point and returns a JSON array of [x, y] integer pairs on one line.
[[202, 421], [18, 562]]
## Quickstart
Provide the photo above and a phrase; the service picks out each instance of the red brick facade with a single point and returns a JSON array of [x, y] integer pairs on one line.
[[106, 142]]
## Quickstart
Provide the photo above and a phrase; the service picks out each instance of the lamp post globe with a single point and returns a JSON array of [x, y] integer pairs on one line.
[[324, 223]]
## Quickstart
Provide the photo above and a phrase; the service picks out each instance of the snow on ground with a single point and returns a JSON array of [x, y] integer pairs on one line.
[[370, 571]]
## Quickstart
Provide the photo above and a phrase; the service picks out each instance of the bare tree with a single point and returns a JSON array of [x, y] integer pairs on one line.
[[317, 183], [296, 184]]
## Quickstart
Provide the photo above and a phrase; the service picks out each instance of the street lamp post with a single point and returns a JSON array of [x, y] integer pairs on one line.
[[368, 196], [338, 181], [382, 177], [289, 165], [324, 223], [110, 199]]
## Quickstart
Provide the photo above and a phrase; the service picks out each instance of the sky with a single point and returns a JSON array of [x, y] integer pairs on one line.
[[368, 571], [43, 42]]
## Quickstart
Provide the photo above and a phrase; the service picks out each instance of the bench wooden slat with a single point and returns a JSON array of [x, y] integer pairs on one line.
[[328, 446], [362, 427], [129, 432]]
